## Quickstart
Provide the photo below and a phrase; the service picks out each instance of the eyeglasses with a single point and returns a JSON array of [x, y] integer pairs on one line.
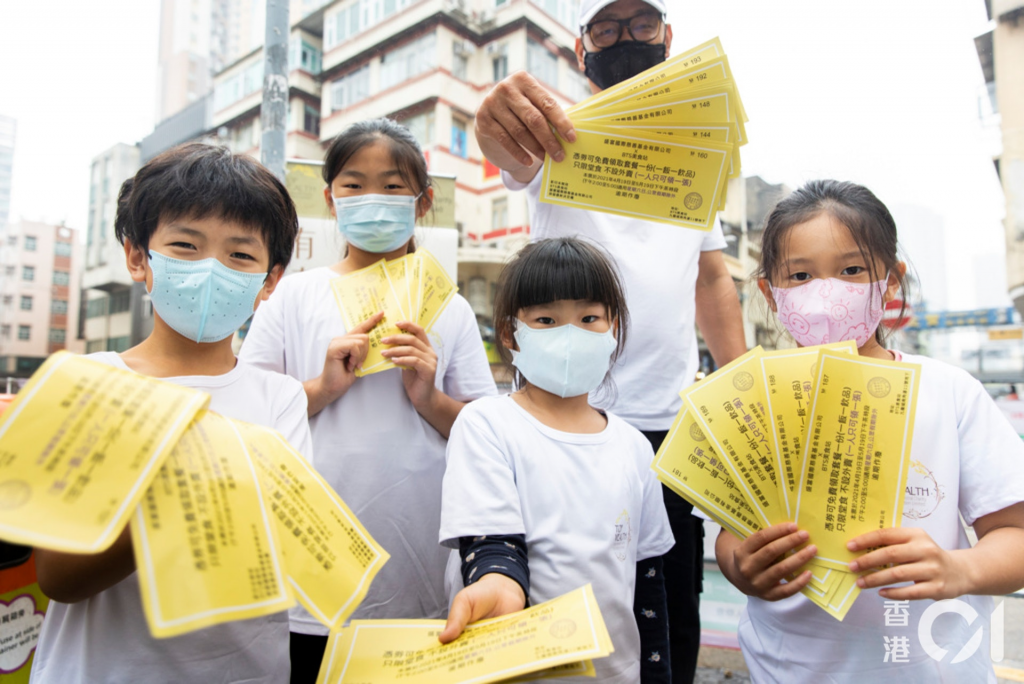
[[642, 28]]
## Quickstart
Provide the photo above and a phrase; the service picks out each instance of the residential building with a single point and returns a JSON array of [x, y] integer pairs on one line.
[[39, 297], [1001, 53], [115, 311], [8, 127]]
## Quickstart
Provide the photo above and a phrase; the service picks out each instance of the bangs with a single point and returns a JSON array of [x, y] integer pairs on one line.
[[563, 270]]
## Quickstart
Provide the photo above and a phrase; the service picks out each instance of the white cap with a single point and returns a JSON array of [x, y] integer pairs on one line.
[[589, 8]]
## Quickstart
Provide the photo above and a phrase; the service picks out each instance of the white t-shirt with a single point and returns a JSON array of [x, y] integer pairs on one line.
[[371, 445], [105, 638], [966, 459], [658, 265], [589, 505]]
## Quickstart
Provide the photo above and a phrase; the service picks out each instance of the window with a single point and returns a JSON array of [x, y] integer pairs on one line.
[[61, 278], [579, 87], [541, 63], [351, 88], [422, 128], [499, 67], [409, 60], [302, 55], [565, 11], [499, 213], [118, 344], [26, 303], [458, 144], [311, 120], [57, 334], [61, 249], [24, 332], [59, 306], [357, 17], [237, 86], [93, 346], [30, 243], [28, 273], [460, 61], [5, 331], [96, 307], [120, 301]]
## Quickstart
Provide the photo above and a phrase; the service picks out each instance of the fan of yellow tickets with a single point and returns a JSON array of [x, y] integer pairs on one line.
[[817, 435], [413, 288], [660, 146]]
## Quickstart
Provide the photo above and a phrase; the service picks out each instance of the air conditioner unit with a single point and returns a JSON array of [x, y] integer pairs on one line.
[[496, 49], [464, 47]]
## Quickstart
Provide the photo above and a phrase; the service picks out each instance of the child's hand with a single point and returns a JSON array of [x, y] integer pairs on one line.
[[493, 595], [915, 557], [413, 353], [757, 565], [344, 355]]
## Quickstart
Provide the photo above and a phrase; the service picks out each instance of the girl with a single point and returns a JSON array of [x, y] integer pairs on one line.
[[830, 241], [378, 440], [567, 489]]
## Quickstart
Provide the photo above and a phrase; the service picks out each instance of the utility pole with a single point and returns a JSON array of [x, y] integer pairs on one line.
[[274, 111]]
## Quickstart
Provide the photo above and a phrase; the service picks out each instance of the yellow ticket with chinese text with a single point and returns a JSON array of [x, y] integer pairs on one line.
[[639, 176], [838, 598], [362, 294], [563, 630], [688, 465], [206, 547], [717, 102], [857, 452], [398, 274], [436, 289], [330, 557], [79, 445], [726, 132], [583, 668], [789, 376], [730, 408]]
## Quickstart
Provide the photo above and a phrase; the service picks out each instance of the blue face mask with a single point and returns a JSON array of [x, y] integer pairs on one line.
[[567, 361], [376, 223], [204, 300]]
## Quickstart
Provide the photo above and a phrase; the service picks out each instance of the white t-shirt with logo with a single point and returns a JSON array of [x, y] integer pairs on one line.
[[658, 265], [371, 445], [965, 460], [106, 639], [589, 505]]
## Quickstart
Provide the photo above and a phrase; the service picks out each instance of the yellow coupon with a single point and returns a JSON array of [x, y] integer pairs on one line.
[[330, 557], [636, 176], [362, 294], [690, 467], [78, 447], [205, 545], [398, 275], [730, 408], [725, 132], [789, 380], [584, 668], [857, 453], [838, 600], [705, 104], [563, 630], [436, 289]]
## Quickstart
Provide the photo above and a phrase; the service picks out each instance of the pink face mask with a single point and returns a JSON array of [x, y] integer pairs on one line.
[[831, 310]]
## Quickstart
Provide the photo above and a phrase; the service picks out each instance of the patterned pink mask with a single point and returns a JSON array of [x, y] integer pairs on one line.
[[831, 310]]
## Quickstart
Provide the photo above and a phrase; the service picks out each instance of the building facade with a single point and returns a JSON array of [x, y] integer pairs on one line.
[[39, 299]]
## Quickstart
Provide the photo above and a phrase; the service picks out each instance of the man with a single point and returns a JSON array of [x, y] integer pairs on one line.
[[674, 277]]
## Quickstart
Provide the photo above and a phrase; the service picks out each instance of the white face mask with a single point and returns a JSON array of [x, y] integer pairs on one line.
[[567, 361]]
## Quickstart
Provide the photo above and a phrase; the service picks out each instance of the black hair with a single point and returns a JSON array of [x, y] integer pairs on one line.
[[198, 181], [855, 207], [550, 270], [402, 145]]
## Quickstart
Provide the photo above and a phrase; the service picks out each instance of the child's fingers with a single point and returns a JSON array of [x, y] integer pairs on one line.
[[773, 574], [395, 352], [782, 591], [766, 535], [413, 329], [884, 537], [897, 574], [767, 554], [367, 325], [458, 617], [407, 340], [912, 592], [885, 556]]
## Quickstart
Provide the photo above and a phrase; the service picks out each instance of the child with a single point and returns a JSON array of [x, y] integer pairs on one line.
[[831, 243], [380, 439], [544, 493], [197, 223]]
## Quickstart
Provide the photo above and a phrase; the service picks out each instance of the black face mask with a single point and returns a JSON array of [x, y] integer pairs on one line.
[[621, 61]]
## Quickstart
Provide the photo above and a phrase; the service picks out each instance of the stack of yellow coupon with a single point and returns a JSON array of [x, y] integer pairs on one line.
[[557, 638], [227, 520], [414, 288], [660, 146], [817, 435]]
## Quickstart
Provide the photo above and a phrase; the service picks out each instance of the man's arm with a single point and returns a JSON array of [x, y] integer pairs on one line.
[[718, 309]]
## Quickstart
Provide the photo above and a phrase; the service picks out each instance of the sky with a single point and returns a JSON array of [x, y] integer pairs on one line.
[[880, 92]]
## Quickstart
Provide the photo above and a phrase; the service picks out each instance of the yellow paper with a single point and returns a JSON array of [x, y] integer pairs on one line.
[[584, 668], [205, 545], [839, 598], [857, 452], [634, 175], [789, 380], [331, 559], [724, 132], [436, 289], [690, 467], [730, 408], [563, 630], [362, 294], [79, 446], [398, 275]]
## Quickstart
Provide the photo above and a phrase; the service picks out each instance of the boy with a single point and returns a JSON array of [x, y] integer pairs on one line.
[[210, 234]]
